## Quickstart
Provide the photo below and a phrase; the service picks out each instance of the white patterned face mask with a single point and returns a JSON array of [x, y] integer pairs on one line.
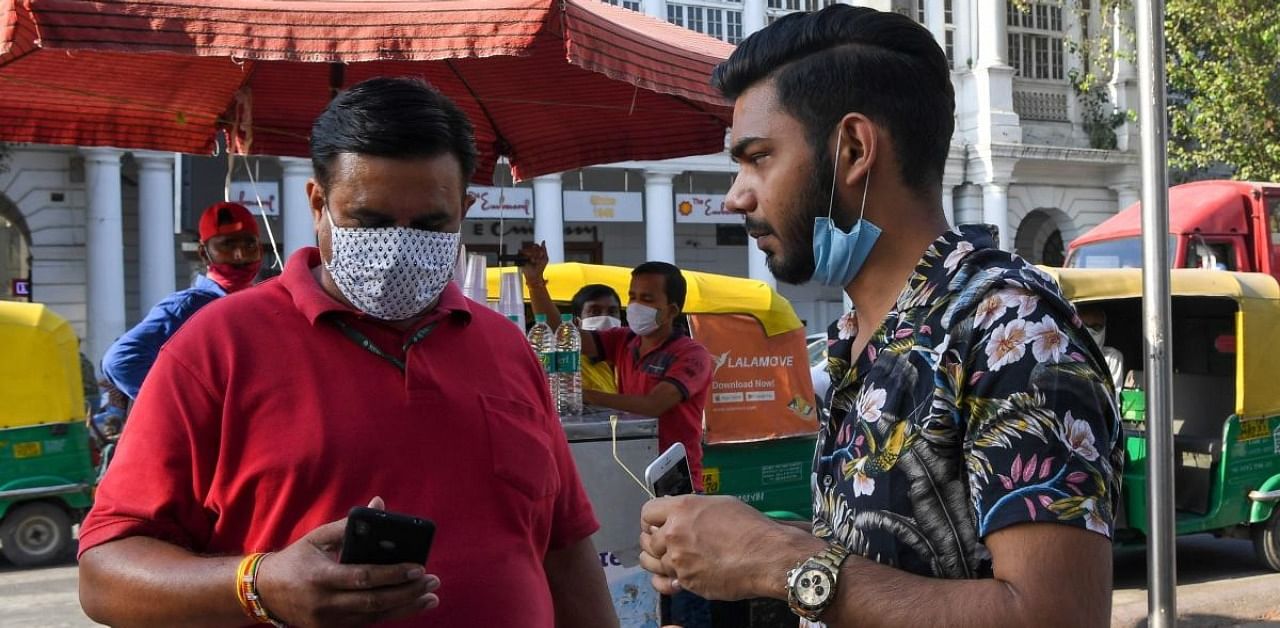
[[391, 273]]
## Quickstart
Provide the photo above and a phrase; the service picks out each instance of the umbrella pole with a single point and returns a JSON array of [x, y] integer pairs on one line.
[[1162, 607]]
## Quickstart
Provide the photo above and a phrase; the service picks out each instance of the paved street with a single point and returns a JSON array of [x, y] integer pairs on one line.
[[1220, 585]]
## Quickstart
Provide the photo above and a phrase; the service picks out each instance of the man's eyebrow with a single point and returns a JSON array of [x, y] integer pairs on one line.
[[740, 146], [368, 213]]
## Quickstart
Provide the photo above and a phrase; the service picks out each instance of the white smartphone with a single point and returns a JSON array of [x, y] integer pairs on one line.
[[669, 474]]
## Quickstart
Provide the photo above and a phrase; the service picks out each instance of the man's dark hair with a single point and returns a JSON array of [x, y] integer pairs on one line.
[[591, 292], [401, 118], [846, 59], [673, 282]]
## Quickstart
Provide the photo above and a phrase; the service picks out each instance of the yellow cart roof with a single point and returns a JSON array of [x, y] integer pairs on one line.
[[708, 293]]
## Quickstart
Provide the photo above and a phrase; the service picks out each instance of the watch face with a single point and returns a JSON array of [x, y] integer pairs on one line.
[[813, 587]]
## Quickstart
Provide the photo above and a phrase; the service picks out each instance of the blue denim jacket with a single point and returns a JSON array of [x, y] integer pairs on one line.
[[129, 359]]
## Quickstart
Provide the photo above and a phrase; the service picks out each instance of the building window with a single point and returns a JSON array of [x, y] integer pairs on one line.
[[733, 34], [920, 10], [715, 23], [675, 14], [723, 24], [634, 5], [1035, 40]]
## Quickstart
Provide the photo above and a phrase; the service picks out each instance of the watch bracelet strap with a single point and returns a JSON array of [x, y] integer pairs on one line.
[[833, 557]]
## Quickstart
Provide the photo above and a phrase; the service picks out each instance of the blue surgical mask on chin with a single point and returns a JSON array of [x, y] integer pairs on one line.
[[839, 255]]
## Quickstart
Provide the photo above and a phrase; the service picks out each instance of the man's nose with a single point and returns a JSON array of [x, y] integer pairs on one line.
[[739, 199]]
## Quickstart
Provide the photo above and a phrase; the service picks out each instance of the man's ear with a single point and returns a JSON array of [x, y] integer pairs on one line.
[[316, 197], [203, 253], [858, 149], [468, 200]]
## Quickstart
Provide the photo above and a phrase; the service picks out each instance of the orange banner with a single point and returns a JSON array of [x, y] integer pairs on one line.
[[761, 388]]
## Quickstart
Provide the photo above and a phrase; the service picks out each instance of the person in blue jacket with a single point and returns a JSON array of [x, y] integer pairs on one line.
[[229, 247]]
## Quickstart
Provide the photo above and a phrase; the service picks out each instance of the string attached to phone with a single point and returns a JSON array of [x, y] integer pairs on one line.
[[613, 429]]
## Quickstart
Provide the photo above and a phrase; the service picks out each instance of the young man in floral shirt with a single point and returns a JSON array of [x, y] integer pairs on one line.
[[969, 472]]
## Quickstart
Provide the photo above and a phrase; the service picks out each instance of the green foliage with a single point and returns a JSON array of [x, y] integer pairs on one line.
[[1224, 85]]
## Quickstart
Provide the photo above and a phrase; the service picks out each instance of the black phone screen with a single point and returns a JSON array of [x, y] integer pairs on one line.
[[676, 481], [378, 537]]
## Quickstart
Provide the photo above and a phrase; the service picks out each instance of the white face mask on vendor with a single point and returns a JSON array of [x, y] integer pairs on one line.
[[600, 323], [391, 273]]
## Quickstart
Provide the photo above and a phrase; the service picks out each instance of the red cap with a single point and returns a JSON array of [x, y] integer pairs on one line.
[[224, 218]]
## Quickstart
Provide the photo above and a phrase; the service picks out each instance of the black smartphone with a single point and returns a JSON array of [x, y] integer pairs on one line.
[[378, 537]]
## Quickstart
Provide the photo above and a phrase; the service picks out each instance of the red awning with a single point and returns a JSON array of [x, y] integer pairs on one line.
[[552, 85]]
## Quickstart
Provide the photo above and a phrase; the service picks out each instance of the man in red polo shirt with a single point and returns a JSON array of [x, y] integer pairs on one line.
[[660, 372], [275, 410]]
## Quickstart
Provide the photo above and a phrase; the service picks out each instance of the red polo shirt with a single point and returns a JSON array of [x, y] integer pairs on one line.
[[683, 362], [261, 420]]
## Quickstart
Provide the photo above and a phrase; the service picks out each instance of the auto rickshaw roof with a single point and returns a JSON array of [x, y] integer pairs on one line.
[[1091, 284], [708, 293], [1257, 296], [39, 367]]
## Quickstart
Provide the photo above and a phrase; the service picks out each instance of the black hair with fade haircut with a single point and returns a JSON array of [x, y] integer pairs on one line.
[[846, 59], [400, 118], [673, 282], [591, 292]]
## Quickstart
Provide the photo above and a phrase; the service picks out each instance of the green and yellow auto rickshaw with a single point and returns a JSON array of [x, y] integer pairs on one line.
[[47, 471], [760, 423], [1226, 404]]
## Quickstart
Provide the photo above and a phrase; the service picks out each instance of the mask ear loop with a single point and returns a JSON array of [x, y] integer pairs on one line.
[[831, 200]]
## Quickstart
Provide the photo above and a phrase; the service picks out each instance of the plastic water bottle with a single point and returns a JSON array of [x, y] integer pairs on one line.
[[568, 367], [543, 341]]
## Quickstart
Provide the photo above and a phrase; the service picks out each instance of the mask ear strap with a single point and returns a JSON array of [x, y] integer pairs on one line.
[[866, 185], [831, 200]]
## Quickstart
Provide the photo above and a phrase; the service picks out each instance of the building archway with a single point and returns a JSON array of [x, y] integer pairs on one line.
[[1041, 236], [15, 253]]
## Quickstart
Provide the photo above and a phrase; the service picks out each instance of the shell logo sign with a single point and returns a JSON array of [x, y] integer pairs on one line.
[[685, 208]]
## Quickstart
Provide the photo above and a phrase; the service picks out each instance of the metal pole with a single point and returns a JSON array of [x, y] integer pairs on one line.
[[1162, 604]]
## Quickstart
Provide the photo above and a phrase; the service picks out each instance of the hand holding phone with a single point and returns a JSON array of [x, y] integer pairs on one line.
[[378, 537], [669, 473]]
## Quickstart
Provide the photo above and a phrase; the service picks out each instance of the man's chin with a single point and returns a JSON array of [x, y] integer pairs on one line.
[[785, 271]]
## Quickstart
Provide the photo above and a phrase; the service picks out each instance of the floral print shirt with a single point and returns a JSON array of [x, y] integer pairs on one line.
[[979, 403]]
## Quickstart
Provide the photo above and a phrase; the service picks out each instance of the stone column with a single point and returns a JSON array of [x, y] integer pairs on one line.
[[105, 244], [1124, 78], [655, 8], [299, 226], [935, 21], [156, 270], [997, 122], [659, 216], [995, 210], [753, 17], [548, 215]]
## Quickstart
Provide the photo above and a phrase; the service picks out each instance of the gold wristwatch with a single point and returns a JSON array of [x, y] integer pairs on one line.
[[811, 586]]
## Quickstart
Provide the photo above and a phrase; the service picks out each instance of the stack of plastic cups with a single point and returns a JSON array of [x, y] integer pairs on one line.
[[460, 267], [475, 286], [511, 298]]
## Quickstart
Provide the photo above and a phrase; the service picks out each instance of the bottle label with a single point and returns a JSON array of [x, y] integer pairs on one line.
[[548, 361], [567, 362]]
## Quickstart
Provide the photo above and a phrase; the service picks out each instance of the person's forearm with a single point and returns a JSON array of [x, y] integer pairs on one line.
[[140, 581], [541, 301], [578, 588], [872, 595]]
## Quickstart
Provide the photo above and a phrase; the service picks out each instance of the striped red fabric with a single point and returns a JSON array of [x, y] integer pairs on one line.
[[552, 84]]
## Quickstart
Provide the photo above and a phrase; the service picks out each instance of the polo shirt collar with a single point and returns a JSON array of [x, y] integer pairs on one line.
[[204, 284], [313, 302]]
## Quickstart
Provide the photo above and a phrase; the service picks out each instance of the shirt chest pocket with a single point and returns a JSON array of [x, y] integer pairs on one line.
[[520, 447]]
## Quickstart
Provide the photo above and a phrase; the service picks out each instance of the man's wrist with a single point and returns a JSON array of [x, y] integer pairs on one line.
[[792, 547]]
